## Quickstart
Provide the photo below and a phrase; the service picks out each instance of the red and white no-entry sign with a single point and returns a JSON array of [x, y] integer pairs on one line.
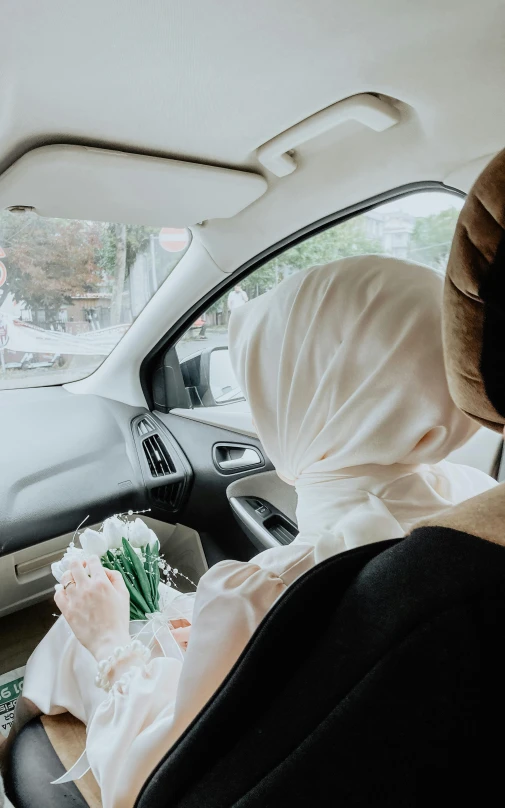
[[173, 239], [3, 274]]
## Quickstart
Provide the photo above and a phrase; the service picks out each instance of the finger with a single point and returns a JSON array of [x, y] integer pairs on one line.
[[179, 622], [116, 579], [95, 568], [66, 577], [59, 599], [181, 635], [78, 572]]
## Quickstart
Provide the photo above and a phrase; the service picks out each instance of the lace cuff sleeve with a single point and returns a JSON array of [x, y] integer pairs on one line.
[[109, 670]]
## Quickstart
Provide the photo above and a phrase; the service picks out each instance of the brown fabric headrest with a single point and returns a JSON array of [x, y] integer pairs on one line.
[[474, 301]]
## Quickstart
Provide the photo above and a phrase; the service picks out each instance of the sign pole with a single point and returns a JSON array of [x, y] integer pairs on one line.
[[154, 278]]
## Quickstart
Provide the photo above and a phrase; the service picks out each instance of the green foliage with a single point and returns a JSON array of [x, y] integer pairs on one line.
[[341, 241], [430, 244], [49, 260], [137, 241], [432, 237], [259, 282]]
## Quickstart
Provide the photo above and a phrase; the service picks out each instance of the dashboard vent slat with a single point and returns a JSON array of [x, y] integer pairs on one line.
[[168, 496], [144, 427], [158, 459]]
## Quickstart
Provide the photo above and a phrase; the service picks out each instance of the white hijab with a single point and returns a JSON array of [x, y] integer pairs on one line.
[[343, 369]]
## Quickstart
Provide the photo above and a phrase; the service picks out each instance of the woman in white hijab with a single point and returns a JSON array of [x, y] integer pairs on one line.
[[342, 366]]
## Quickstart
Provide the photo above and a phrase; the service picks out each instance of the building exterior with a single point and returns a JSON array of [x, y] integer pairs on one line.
[[86, 312], [393, 229]]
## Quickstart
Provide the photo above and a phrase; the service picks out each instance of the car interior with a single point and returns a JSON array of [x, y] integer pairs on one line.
[[161, 164]]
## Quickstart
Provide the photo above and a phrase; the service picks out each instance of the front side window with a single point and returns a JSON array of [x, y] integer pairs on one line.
[[69, 290], [418, 228]]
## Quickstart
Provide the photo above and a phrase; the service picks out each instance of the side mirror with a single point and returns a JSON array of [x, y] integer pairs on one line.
[[209, 378]]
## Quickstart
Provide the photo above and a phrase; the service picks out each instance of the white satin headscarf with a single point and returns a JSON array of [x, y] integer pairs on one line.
[[343, 369]]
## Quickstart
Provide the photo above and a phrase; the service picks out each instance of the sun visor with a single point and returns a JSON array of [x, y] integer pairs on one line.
[[79, 182]]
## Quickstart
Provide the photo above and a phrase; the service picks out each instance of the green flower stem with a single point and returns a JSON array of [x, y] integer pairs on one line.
[[136, 614], [149, 573], [124, 560], [136, 597], [156, 573], [140, 574]]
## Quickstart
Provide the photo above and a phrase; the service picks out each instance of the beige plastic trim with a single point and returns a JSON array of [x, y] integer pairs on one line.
[[79, 182], [26, 579], [365, 108], [37, 564]]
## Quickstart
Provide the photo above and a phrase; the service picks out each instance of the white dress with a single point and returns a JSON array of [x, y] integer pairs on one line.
[[132, 727]]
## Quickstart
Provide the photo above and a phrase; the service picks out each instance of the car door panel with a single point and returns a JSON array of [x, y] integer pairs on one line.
[[206, 508], [265, 508]]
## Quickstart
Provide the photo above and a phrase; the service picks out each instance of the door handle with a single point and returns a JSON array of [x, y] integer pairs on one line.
[[234, 457], [249, 457]]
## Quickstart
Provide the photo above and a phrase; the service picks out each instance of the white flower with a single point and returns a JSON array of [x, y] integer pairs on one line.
[[93, 543], [113, 531], [138, 533], [59, 567], [153, 540]]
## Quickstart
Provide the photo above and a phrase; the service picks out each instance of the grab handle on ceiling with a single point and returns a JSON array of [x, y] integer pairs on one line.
[[365, 108]]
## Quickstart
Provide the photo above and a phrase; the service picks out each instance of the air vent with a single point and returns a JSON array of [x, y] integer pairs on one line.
[[159, 461], [144, 427], [168, 496]]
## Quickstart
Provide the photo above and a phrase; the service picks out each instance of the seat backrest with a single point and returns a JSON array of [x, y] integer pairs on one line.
[[364, 684]]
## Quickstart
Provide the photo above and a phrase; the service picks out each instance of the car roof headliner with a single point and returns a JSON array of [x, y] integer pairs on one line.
[[214, 81]]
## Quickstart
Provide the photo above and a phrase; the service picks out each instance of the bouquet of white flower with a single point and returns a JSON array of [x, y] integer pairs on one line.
[[157, 609], [132, 549]]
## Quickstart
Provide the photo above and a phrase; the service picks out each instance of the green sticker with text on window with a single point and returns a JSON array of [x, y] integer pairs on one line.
[[11, 685]]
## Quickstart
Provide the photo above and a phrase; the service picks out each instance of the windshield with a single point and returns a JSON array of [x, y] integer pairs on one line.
[[69, 291]]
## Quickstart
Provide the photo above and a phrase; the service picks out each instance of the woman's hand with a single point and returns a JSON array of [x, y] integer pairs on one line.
[[180, 628], [96, 605]]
